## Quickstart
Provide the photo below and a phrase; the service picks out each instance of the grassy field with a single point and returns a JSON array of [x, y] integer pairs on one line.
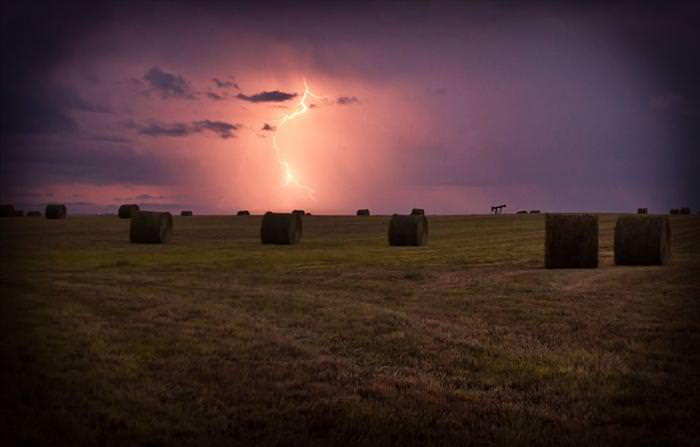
[[217, 339]]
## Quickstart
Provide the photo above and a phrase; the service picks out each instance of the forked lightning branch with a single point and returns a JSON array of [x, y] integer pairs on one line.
[[289, 176]]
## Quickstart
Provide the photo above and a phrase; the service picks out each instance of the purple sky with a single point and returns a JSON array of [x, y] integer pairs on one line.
[[445, 106]]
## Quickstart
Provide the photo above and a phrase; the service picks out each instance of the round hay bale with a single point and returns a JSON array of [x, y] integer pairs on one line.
[[685, 211], [55, 211], [363, 212], [642, 240], [281, 228], [150, 227], [243, 213], [34, 214], [299, 212], [674, 211], [534, 211], [642, 211], [417, 212], [411, 230], [571, 241], [7, 211], [127, 210], [521, 212], [186, 213]]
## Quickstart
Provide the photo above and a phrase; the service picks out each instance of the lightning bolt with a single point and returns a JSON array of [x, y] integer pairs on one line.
[[289, 177]]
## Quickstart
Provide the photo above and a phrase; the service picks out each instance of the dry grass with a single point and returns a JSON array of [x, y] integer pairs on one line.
[[215, 338]]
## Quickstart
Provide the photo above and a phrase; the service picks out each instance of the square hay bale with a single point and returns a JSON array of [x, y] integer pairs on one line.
[[642, 240], [674, 211], [186, 213], [417, 212], [642, 211], [243, 213], [571, 241], [685, 211], [363, 212], [534, 211], [299, 212], [34, 214], [521, 212]]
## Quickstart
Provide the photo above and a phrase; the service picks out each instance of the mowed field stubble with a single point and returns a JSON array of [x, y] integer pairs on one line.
[[214, 338]]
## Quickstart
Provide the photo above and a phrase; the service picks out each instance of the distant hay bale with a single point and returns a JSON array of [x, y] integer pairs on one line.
[[34, 214], [417, 212], [281, 228], [363, 212], [521, 212], [685, 211], [675, 211], [642, 211], [186, 213], [534, 211], [55, 211], [7, 211], [150, 227], [127, 210], [243, 213], [411, 230], [571, 241], [642, 240], [19, 213], [299, 212]]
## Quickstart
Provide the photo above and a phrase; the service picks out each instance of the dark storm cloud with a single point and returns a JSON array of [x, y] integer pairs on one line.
[[221, 128], [31, 42], [55, 160], [225, 84], [111, 139], [272, 96], [69, 98], [157, 129], [33, 114], [215, 97], [180, 129], [36, 35], [168, 85], [669, 102], [659, 40], [343, 100], [43, 109], [137, 197]]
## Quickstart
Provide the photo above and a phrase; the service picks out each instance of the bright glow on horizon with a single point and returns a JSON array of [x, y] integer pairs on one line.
[[289, 177]]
